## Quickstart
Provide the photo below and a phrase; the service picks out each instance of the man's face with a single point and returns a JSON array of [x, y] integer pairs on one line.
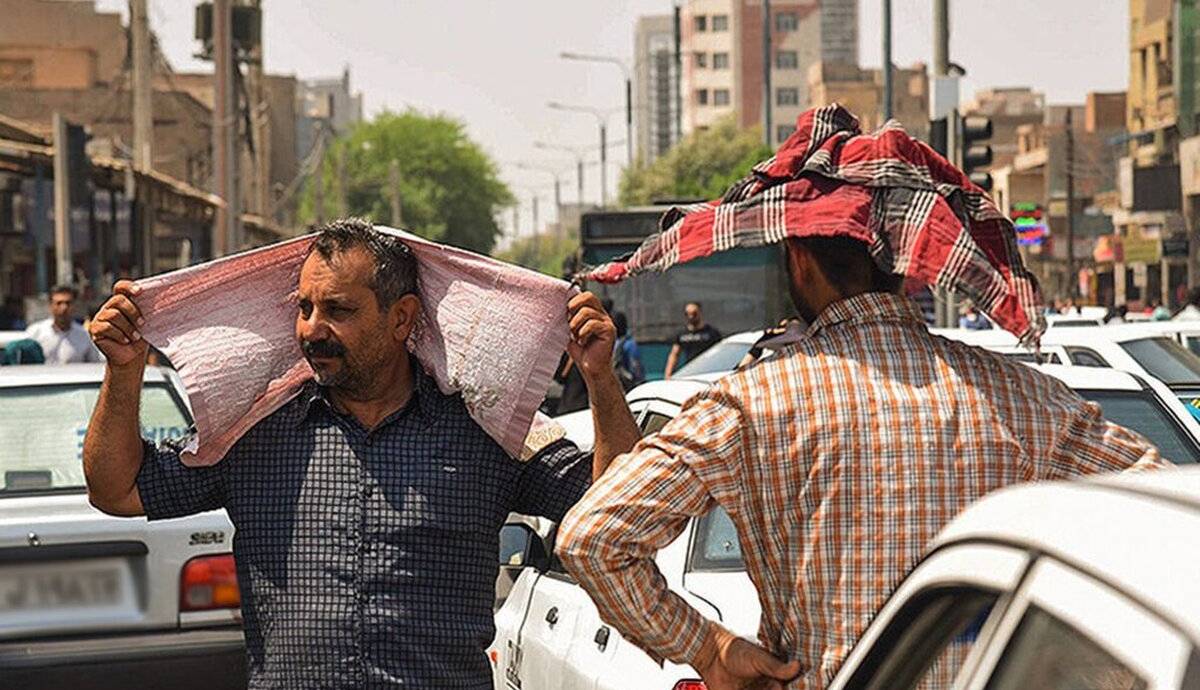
[[61, 304], [339, 326], [692, 313]]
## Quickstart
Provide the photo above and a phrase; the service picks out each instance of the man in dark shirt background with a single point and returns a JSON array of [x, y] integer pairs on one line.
[[367, 509], [691, 341]]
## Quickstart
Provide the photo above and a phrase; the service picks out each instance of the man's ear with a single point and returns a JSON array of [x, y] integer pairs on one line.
[[404, 314]]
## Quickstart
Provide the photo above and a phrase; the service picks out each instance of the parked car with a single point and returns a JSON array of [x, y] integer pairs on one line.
[[549, 633], [1055, 585], [93, 601]]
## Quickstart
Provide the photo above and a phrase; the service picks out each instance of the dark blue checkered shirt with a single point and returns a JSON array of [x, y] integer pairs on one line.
[[367, 559]]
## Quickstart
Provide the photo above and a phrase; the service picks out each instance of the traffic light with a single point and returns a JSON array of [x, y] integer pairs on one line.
[[975, 153]]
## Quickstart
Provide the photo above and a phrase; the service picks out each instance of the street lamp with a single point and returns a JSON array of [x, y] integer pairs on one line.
[[624, 66], [601, 116], [557, 185]]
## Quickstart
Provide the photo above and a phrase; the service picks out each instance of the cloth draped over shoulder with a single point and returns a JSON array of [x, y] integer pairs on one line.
[[490, 331], [921, 217]]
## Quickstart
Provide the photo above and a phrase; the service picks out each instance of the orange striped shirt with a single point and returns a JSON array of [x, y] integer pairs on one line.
[[838, 460]]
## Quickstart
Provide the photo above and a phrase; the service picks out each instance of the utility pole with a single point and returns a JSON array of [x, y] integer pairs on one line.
[[261, 125], [394, 186], [942, 134], [628, 121], [887, 60], [227, 234], [579, 182], [64, 273], [603, 164], [1072, 278], [319, 176], [678, 74], [516, 220], [339, 164], [766, 73], [535, 215], [143, 87]]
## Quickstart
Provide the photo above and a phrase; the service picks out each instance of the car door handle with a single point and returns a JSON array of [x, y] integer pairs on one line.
[[601, 638], [552, 616]]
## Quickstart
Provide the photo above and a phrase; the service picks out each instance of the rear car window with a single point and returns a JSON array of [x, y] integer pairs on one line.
[[42, 429], [719, 358], [1165, 360], [1141, 411]]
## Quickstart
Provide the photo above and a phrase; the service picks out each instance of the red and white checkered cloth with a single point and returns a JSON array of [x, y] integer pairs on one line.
[[922, 217]]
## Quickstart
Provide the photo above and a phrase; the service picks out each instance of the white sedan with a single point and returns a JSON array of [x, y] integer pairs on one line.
[[85, 598], [549, 633]]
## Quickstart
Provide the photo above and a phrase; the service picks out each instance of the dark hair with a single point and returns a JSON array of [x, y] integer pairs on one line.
[[395, 265], [698, 305], [606, 303], [848, 265], [621, 322], [63, 288]]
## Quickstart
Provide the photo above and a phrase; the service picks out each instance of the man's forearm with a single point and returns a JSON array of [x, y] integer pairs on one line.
[[616, 430], [112, 448]]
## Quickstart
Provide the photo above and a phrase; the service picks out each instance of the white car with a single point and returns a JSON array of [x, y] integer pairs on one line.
[[549, 633], [1057, 585], [86, 598]]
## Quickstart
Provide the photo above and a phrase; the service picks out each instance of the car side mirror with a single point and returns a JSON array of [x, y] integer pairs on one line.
[[521, 546]]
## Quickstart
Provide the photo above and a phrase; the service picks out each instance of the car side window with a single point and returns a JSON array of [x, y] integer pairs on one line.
[[1046, 653], [716, 545], [1086, 357], [926, 642], [653, 422]]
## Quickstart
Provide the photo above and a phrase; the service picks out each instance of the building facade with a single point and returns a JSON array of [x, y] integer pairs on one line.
[[327, 104], [654, 86], [861, 91]]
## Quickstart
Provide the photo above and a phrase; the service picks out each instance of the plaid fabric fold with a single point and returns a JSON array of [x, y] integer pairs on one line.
[[922, 217]]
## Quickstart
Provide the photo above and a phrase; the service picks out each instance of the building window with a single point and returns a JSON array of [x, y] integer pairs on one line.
[[720, 22], [700, 60], [720, 96], [701, 22], [17, 73], [787, 96], [786, 21], [720, 60], [786, 59], [701, 96], [782, 132]]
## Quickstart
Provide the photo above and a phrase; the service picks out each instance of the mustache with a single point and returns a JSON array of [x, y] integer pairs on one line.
[[322, 348]]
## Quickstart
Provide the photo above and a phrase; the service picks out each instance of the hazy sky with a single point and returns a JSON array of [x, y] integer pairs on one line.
[[494, 64]]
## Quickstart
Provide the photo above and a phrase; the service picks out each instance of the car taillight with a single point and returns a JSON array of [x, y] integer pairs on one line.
[[209, 582], [690, 685]]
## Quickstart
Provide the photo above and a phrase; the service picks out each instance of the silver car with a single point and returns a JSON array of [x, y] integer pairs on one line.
[[88, 600]]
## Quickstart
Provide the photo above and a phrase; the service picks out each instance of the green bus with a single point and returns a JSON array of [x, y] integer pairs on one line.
[[739, 290]]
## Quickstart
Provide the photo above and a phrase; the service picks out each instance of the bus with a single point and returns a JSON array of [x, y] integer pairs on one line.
[[738, 290]]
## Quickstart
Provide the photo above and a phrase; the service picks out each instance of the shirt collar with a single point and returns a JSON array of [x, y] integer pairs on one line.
[[426, 400], [867, 307]]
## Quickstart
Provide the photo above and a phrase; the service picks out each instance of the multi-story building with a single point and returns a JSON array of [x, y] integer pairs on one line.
[[654, 85], [325, 103], [861, 91], [722, 45]]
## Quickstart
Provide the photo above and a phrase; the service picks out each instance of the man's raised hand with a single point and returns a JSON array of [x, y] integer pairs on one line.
[[116, 328]]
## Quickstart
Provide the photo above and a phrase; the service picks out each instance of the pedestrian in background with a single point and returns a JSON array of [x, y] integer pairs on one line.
[[973, 320], [696, 337], [627, 357], [62, 339]]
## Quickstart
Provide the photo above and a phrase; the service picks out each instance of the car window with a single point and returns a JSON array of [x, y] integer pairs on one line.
[[1047, 654], [1193, 344], [42, 429], [1141, 411], [1027, 357], [1165, 360], [926, 642], [1084, 357], [716, 546], [654, 422], [719, 358]]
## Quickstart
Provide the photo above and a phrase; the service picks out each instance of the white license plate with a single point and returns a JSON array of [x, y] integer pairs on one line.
[[91, 584]]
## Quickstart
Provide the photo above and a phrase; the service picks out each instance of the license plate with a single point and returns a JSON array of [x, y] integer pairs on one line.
[[86, 585]]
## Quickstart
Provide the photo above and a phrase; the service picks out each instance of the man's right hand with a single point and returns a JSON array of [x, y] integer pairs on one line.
[[729, 662], [116, 327]]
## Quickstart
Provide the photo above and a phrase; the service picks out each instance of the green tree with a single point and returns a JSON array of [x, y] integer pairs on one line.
[[701, 166], [450, 190], [544, 253]]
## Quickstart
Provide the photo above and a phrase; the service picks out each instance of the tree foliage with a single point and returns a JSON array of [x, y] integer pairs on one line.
[[450, 189], [545, 253], [701, 166]]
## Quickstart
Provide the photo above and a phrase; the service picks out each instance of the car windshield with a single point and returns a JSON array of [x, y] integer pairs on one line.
[[1165, 360], [718, 359], [1140, 411], [716, 546], [42, 429]]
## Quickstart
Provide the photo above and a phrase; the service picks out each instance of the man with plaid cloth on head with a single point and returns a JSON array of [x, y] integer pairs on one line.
[[839, 458]]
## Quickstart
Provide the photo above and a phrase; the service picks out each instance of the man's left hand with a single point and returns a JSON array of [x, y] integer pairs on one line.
[[592, 335]]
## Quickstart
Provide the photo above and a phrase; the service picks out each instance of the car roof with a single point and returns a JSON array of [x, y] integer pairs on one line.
[[743, 338], [55, 374], [1090, 378], [1132, 531], [675, 391]]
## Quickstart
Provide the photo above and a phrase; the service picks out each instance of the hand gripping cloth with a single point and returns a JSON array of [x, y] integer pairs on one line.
[[921, 217], [488, 330]]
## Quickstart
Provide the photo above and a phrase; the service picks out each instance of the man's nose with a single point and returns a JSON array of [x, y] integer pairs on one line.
[[314, 327]]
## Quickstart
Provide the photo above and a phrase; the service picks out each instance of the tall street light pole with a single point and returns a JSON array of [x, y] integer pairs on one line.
[[766, 73], [628, 94], [601, 116], [578, 154], [887, 60], [557, 185]]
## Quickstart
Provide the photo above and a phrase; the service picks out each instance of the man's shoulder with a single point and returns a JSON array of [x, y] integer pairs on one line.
[[38, 328]]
